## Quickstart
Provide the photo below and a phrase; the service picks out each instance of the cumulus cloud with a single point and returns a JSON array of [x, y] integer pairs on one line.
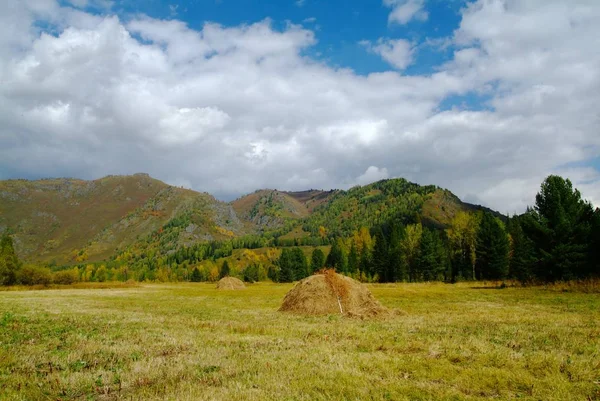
[[102, 4], [398, 52], [404, 11], [372, 174], [231, 109]]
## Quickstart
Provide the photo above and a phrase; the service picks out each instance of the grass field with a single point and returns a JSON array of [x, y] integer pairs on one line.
[[192, 342]]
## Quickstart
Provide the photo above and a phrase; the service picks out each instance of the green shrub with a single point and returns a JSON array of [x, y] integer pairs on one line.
[[32, 275]]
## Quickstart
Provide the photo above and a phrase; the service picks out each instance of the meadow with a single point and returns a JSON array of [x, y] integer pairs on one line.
[[192, 342]]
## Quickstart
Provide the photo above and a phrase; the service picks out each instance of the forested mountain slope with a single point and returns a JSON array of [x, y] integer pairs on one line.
[[75, 221], [384, 201]]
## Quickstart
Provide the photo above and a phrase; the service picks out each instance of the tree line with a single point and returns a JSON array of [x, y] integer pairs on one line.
[[556, 239]]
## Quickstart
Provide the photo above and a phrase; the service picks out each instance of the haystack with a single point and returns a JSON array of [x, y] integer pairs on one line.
[[230, 283], [327, 293]]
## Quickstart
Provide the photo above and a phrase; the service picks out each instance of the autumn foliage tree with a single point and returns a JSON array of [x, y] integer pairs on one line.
[[462, 236]]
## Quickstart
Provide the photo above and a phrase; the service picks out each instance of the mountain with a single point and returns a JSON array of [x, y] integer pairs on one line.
[[74, 221], [70, 220], [269, 209], [382, 202]]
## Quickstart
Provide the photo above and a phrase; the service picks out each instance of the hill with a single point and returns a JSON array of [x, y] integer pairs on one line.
[[379, 203], [70, 220], [269, 209], [131, 217]]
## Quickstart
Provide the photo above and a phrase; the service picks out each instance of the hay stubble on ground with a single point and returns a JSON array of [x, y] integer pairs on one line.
[[193, 342]]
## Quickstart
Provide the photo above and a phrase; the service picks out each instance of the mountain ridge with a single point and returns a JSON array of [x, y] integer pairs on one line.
[[69, 220]]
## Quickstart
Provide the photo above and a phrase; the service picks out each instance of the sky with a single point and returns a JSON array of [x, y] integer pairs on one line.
[[483, 97]]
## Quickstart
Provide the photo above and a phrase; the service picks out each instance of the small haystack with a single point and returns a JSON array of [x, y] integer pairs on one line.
[[327, 293], [230, 283]]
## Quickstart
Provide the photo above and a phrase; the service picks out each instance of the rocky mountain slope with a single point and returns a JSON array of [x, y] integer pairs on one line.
[[70, 220]]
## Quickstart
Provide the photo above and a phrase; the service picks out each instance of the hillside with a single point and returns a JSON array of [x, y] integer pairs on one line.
[[269, 209], [381, 202], [132, 217], [69, 220]]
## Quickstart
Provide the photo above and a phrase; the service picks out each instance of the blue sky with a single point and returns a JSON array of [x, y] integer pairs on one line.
[[339, 25]]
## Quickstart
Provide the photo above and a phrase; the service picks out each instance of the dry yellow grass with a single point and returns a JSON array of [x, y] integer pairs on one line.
[[193, 342]]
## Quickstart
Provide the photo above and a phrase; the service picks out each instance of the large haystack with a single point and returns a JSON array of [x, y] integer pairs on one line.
[[230, 283], [327, 293]]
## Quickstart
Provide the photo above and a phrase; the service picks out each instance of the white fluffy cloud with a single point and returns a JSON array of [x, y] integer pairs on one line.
[[232, 109], [404, 11], [372, 174], [397, 52]]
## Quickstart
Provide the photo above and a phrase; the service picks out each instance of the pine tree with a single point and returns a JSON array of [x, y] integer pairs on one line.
[[560, 225], [251, 273], [522, 255], [396, 265], [595, 245], [299, 264], [317, 260], [353, 260], [431, 260], [492, 250], [366, 263], [196, 275], [286, 273], [224, 272], [336, 258], [273, 274], [380, 255]]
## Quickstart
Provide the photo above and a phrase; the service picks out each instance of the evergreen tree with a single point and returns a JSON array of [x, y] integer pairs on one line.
[[380, 255], [492, 250], [560, 225], [336, 258], [286, 273], [317, 260], [353, 260], [522, 255], [431, 259], [251, 274], [396, 265], [9, 264], [366, 264], [196, 275], [595, 245], [224, 272], [273, 274], [299, 264]]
